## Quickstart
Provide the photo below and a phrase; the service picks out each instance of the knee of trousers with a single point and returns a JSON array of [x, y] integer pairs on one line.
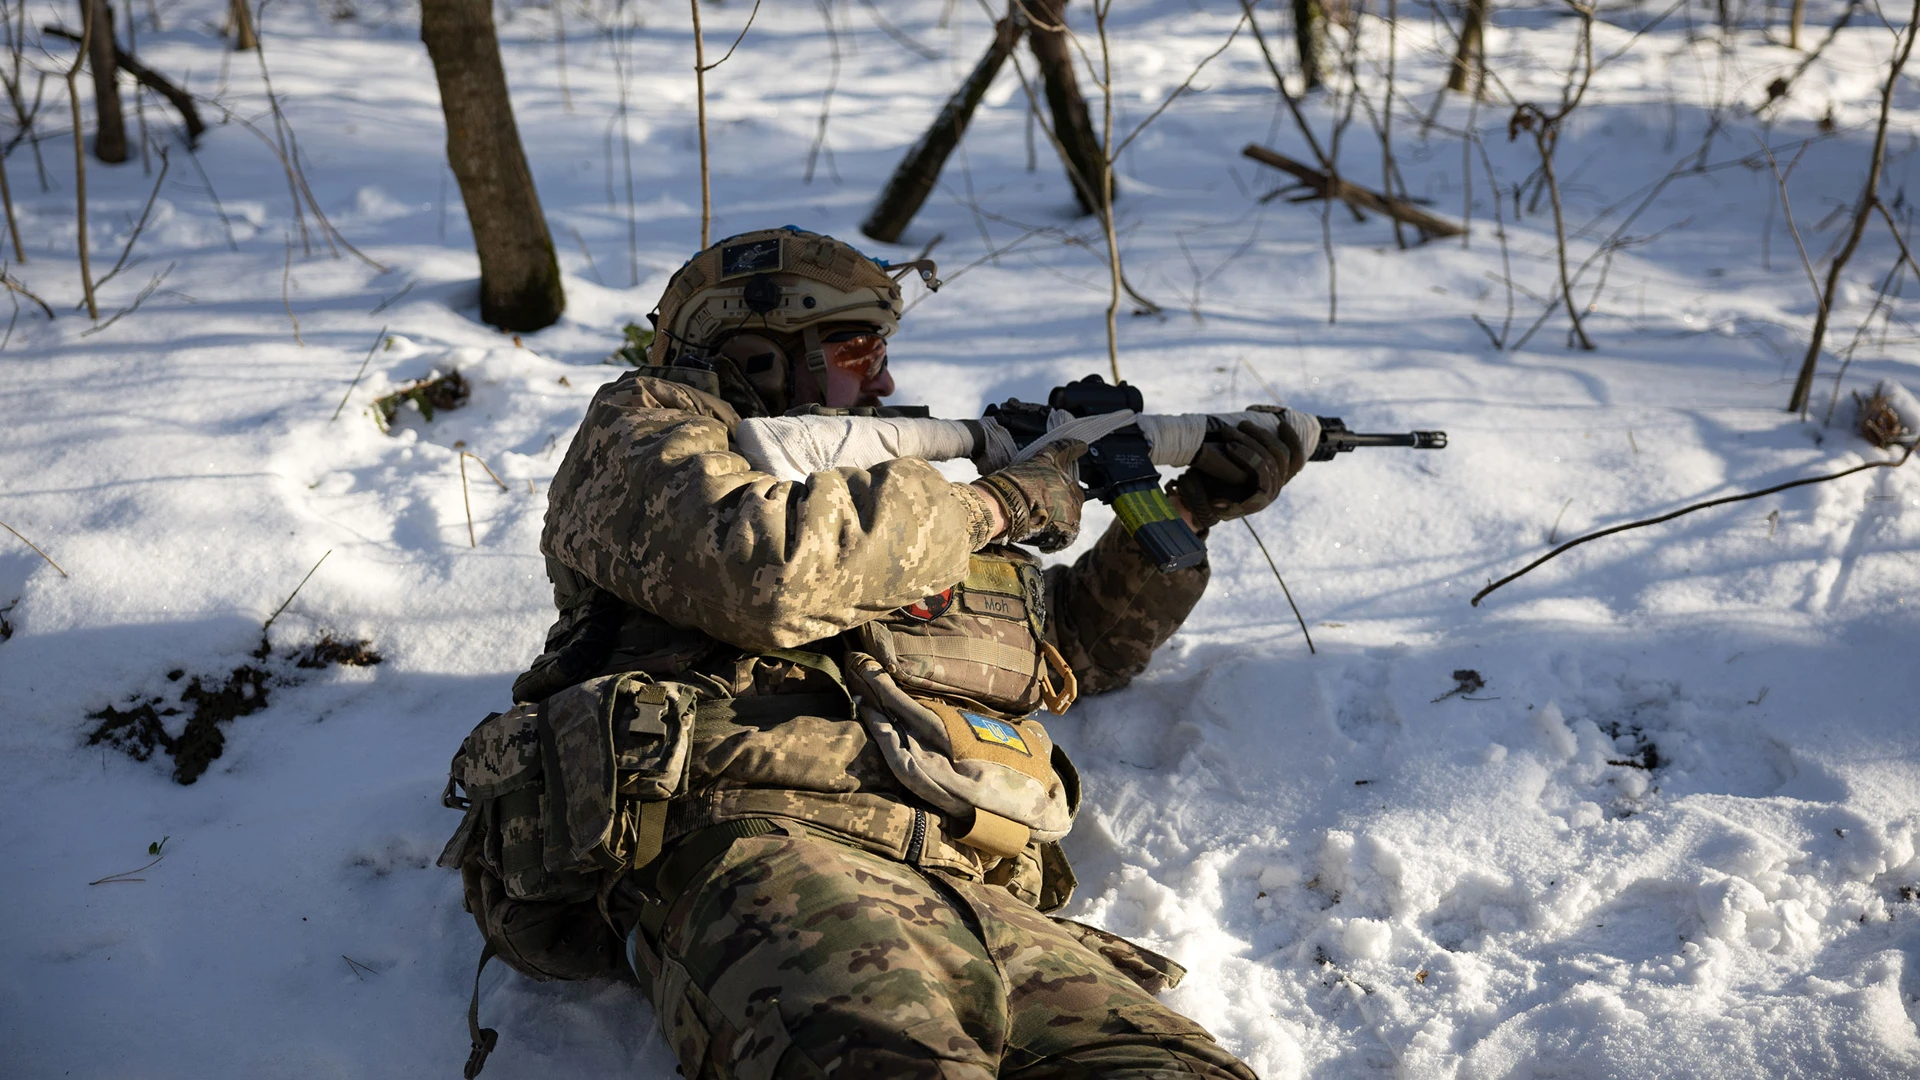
[[1142, 1057]]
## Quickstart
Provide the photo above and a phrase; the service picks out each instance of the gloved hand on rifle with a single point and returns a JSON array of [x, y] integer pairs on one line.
[[1240, 470], [1039, 498]]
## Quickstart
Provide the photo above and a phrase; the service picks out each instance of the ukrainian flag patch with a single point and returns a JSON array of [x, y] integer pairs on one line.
[[997, 732]]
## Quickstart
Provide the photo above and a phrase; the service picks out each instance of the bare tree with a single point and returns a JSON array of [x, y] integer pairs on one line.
[[519, 273], [110, 127], [1310, 39], [1467, 58], [242, 20]]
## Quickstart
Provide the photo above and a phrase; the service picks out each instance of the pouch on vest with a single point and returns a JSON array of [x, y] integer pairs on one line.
[[993, 776], [614, 750], [982, 641]]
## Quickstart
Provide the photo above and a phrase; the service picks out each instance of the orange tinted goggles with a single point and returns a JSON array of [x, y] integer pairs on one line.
[[857, 352]]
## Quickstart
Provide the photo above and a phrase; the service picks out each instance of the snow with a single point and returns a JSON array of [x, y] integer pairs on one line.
[[1364, 874]]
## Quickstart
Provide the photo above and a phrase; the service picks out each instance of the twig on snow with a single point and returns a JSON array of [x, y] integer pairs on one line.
[[1288, 593], [268, 625], [125, 877], [371, 349], [35, 547], [1578, 540]]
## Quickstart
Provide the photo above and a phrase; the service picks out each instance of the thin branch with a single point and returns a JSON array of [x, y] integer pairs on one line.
[[1897, 238], [141, 225], [740, 38], [465, 500], [1288, 593], [1803, 383], [826, 98], [700, 99], [1786, 205], [268, 625], [286, 291], [152, 286], [1577, 541], [891, 31], [80, 166], [35, 547], [125, 877], [477, 460], [371, 349], [14, 284], [1178, 90]]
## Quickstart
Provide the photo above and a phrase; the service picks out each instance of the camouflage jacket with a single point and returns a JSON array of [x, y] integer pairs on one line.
[[669, 554]]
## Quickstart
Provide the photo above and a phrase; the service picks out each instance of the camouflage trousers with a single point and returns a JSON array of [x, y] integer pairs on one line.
[[792, 956]]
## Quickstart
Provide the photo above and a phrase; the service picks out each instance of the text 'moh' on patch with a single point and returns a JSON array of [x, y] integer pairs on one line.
[[754, 257], [997, 732]]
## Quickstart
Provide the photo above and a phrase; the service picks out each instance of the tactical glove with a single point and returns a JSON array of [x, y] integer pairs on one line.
[[1040, 498], [1239, 471]]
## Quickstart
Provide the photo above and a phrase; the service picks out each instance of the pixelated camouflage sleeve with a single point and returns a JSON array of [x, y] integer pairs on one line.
[[1108, 611], [652, 505]]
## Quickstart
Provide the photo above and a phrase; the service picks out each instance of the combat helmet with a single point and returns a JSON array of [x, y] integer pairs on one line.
[[772, 286]]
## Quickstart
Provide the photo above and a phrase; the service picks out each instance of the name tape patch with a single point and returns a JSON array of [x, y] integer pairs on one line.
[[998, 732]]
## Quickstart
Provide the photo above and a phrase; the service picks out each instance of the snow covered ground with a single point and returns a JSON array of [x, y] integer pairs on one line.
[[1672, 835]]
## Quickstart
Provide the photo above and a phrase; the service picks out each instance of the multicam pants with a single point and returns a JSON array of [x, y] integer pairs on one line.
[[793, 956]]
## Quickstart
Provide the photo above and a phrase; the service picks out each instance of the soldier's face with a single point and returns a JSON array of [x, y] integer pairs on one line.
[[856, 367]]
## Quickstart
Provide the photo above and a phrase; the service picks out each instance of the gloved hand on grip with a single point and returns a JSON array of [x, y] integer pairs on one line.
[[1040, 498], [1239, 471]]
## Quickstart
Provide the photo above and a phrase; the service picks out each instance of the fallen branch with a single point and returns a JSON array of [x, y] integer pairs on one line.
[[1577, 541], [1324, 186], [153, 80]]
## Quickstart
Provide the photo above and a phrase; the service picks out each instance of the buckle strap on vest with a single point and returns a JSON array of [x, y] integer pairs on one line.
[[484, 1039]]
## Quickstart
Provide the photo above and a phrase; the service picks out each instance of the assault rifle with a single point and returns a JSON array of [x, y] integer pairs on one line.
[[1118, 468]]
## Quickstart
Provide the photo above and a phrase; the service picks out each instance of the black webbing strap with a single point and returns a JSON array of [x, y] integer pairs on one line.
[[484, 1039]]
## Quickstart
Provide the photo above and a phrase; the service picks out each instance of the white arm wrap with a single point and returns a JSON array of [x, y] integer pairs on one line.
[[793, 447]]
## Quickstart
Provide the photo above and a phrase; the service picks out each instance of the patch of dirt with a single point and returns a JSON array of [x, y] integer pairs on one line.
[[449, 391], [1645, 754], [330, 651], [140, 728]]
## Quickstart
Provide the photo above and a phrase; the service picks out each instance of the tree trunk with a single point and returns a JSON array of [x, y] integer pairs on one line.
[[1310, 36], [1467, 57], [110, 127], [1796, 18], [1071, 125], [913, 181], [242, 19], [519, 274]]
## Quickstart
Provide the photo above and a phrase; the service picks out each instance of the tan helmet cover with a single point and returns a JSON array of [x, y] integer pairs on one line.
[[819, 279]]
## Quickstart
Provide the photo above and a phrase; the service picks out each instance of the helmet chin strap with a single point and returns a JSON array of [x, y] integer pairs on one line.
[[816, 362]]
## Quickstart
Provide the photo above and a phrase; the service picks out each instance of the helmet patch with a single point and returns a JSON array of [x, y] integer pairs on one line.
[[752, 257]]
